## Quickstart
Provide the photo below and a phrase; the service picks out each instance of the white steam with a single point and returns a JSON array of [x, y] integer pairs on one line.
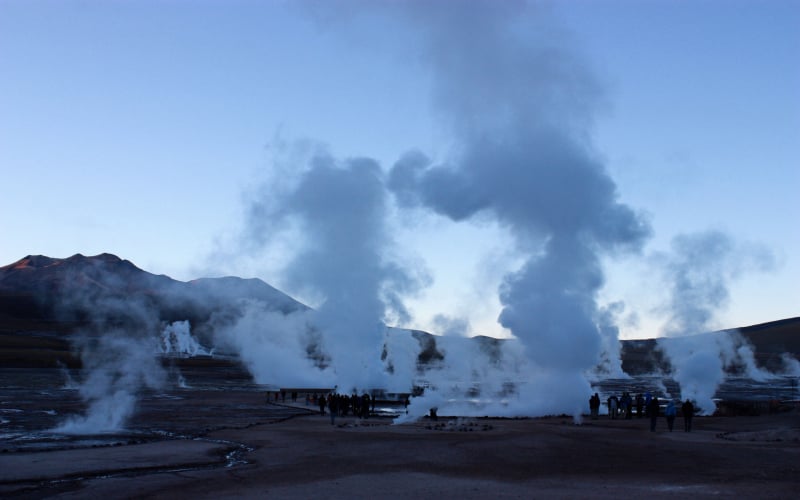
[[475, 377], [275, 346], [698, 272], [400, 361], [177, 340], [520, 103], [117, 368], [344, 261]]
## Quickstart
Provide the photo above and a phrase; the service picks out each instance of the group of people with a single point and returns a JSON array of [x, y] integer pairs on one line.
[[281, 396], [341, 405], [646, 405]]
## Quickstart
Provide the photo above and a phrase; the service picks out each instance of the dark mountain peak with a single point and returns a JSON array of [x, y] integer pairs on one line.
[[30, 262], [39, 274], [103, 260], [232, 287], [42, 262], [80, 287]]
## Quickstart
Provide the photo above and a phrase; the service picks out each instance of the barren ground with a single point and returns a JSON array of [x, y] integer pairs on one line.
[[305, 457]]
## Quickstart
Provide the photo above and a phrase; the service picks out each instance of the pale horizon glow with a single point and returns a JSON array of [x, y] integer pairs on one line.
[[142, 128]]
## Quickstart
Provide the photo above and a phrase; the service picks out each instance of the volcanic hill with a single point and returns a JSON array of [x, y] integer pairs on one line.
[[44, 300]]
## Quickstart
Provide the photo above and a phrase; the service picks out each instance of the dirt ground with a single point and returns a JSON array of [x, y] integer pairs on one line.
[[306, 457]]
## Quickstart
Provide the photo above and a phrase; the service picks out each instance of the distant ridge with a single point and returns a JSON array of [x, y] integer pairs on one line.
[[39, 292], [49, 298]]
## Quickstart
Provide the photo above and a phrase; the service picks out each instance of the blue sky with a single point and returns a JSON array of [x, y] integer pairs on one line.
[[141, 128]]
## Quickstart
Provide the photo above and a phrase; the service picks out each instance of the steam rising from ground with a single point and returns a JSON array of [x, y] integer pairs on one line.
[[519, 104], [699, 271], [520, 110], [116, 368], [276, 347], [345, 262], [118, 350], [177, 339]]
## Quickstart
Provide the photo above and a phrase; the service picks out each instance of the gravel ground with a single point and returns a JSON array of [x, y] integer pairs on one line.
[[234, 445]]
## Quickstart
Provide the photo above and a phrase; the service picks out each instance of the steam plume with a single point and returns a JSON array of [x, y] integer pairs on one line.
[[520, 110], [117, 367], [118, 350], [118, 345], [699, 272], [340, 209]]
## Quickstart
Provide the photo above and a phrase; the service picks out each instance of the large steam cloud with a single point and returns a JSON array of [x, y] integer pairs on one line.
[[343, 260], [519, 105], [520, 111]]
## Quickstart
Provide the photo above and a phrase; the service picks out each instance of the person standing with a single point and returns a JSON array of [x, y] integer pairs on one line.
[[334, 404], [652, 412], [628, 406], [613, 404], [322, 402], [670, 412], [594, 406], [639, 406], [688, 412]]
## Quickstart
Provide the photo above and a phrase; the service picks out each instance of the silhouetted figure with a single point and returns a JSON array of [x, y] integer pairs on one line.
[[670, 412], [628, 405], [688, 412], [647, 399], [365, 405], [613, 405], [639, 406], [333, 407], [652, 412], [594, 406], [322, 404]]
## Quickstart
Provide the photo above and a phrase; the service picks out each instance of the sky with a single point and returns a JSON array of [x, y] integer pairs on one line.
[[146, 129]]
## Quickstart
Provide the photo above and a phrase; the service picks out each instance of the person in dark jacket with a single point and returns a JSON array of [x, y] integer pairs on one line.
[[594, 406], [687, 409], [639, 406], [670, 412], [334, 405], [652, 412]]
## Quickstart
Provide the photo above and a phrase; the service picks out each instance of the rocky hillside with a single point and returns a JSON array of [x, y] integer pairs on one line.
[[43, 293], [43, 300]]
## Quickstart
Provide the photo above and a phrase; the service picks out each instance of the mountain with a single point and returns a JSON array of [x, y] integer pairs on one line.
[[43, 300], [57, 296]]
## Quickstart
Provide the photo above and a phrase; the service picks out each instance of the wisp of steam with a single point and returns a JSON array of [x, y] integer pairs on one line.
[[118, 350], [698, 271], [117, 367]]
